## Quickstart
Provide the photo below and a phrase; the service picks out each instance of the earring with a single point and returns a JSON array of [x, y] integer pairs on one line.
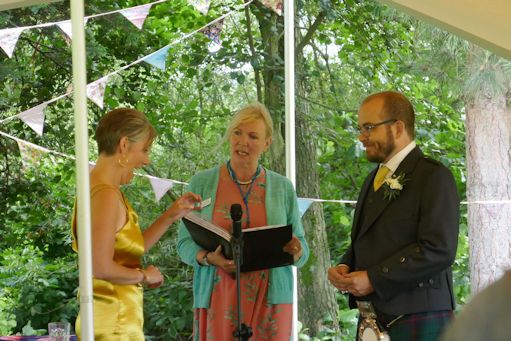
[[122, 163]]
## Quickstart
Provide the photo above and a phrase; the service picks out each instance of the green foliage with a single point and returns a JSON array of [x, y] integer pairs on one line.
[[7, 317], [169, 315], [38, 273], [39, 291]]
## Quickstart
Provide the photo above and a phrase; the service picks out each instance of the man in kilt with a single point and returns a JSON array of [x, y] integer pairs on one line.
[[397, 269]]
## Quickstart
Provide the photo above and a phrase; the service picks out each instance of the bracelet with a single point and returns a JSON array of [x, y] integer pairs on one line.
[[144, 276]]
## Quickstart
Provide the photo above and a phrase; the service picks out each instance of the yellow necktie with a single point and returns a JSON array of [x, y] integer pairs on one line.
[[380, 177]]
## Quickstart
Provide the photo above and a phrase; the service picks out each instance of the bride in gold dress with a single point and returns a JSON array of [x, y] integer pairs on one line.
[[124, 138]]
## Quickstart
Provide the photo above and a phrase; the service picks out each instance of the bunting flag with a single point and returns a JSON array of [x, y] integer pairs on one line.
[[201, 5], [158, 58], [8, 39], [160, 186], [214, 30], [30, 154], [65, 26], [34, 118], [96, 91], [275, 5], [303, 205], [137, 15]]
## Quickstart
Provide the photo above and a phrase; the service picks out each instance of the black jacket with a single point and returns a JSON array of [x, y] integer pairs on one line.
[[407, 244]]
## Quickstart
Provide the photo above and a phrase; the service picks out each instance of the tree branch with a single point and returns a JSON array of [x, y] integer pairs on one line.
[[254, 60], [325, 106], [36, 46], [310, 32]]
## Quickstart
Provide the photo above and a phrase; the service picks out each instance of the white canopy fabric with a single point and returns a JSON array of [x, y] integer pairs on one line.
[[486, 23]]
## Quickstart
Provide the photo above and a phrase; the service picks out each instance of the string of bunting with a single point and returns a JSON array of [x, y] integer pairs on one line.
[[136, 15], [34, 117], [32, 153]]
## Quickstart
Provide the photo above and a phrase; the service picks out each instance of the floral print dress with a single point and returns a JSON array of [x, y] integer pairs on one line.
[[268, 322]]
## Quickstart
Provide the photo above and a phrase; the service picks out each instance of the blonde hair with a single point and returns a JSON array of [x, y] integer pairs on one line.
[[253, 111], [119, 123]]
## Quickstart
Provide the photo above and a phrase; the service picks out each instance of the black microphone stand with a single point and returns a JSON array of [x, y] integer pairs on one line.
[[242, 332]]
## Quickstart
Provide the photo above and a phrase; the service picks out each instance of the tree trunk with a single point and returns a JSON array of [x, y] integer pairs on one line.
[[271, 26], [488, 133], [317, 296]]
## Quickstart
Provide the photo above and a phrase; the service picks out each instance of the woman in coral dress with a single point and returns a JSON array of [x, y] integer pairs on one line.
[[267, 198]]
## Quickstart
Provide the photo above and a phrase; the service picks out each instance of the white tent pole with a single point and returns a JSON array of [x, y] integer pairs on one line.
[[289, 52], [82, 169]]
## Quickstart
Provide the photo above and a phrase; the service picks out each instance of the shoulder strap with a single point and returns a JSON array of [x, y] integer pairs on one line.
[[99, 187], [93, 191]]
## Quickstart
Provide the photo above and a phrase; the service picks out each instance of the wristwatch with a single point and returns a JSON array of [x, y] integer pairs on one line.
[[205, 259]]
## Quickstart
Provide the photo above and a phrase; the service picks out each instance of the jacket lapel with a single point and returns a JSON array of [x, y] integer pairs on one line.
[[361, 199], [406, 166]]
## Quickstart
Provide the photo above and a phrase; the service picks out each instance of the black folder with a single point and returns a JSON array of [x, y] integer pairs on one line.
[[262, 246]]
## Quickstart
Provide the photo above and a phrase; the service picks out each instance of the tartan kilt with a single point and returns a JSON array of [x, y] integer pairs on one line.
[[426, 326]]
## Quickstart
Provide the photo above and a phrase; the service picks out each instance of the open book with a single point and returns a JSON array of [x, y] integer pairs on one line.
[[262, 246]]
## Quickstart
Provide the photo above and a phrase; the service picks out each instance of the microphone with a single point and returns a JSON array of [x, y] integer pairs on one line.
[[236, 240], [236, 213]]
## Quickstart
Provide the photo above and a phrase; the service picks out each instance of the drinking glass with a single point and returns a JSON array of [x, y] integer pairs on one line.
[[59, 331]]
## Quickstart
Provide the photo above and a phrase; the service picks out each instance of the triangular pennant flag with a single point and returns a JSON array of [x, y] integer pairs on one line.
[[30, 155], [8, 39], [160, 186], [214, 30], [137, 15], [65, 26], [303, 205], [34, 118], [201, 5], [96, 91], [157, 59], [275, 5]]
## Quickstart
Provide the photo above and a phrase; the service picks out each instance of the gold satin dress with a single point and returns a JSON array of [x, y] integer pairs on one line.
[[118, 308]]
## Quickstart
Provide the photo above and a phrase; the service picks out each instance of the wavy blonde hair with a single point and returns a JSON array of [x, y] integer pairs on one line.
[[252, 112]]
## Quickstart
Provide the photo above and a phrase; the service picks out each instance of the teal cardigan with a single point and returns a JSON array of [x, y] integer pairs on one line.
[[281, 209]]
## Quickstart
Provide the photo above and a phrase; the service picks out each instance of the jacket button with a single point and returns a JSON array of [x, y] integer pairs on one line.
[[421, 285], [402, 259], [385, 269], [431, 281]]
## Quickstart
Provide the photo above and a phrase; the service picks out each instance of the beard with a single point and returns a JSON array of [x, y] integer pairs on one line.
[[382, 149]]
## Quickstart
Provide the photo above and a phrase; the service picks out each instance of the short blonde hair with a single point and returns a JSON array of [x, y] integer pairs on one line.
[[119, 123], [253, 111]]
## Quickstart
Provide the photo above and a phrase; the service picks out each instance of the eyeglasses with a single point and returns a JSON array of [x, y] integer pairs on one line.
[[366, 128]]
